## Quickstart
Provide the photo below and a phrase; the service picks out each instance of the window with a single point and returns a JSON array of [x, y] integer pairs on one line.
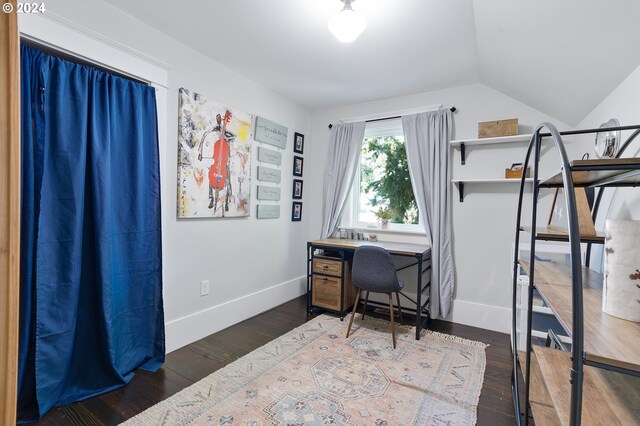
[[382, 181]]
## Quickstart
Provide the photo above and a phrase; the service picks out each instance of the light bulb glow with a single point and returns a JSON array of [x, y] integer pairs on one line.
[[347, 25]]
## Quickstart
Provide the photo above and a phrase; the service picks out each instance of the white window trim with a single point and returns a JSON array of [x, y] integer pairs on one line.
[[350, 217]]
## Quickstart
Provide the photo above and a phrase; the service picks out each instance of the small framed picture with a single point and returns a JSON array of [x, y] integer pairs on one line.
[[296, 211], [298, 163], [298, 143], [297, 189]]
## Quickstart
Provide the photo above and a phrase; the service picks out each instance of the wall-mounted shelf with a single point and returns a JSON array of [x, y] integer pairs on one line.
[[462, 143], [461, 182]]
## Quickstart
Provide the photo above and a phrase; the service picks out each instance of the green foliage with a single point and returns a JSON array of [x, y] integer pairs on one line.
[[385, 175], [385, 213]]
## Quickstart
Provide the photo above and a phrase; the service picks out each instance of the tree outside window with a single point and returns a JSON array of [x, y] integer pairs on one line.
[[385, 181]]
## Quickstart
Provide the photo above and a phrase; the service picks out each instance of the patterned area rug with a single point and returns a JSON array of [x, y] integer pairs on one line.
[[314, 376]]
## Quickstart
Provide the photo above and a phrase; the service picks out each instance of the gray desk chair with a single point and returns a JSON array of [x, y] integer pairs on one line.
[[373, 270]]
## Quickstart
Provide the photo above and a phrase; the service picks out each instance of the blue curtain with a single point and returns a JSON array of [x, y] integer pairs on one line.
[[91, 261]]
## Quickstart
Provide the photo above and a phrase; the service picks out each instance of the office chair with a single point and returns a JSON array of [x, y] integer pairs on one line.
[[374, 271]]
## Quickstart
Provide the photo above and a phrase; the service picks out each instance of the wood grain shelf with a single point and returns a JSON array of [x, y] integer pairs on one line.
[[540, 400], [607, 339], [610, 172], [608, 398], [546, 234]]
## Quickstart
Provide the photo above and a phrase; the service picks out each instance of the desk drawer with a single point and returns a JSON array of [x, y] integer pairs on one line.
[[326, 292], [327, 266]]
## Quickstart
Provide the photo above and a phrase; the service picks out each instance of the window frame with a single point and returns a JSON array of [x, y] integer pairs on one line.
[[351, 216]]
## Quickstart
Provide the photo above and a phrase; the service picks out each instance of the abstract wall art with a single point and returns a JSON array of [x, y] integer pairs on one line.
[[214, 158]]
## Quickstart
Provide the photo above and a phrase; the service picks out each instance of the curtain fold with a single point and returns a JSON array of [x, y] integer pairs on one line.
[[427, 136], [91, 261], [345, 145]]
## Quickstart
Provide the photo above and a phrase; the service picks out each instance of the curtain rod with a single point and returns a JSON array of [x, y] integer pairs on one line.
[[452, 109]]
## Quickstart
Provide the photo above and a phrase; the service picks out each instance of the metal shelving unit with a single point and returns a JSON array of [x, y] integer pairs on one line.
[[557, 386]]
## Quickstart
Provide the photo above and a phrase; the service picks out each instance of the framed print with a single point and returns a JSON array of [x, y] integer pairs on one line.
[[296, 211], [298, 163], [268, 211], [269, 132], [298, 143], [297, 189]]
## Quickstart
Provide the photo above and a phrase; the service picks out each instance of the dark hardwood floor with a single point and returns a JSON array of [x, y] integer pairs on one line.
[[191, 363]]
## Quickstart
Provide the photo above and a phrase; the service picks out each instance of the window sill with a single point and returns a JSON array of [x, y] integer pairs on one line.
[[379, 230]]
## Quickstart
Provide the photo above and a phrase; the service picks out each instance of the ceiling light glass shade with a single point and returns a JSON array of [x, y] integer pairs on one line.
[[348, 24]]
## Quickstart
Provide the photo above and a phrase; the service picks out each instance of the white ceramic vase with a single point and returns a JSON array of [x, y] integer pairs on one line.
[[621, 291], [384, 223]]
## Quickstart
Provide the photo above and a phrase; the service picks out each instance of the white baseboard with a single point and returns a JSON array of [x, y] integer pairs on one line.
[[489, 317], [182, 331]]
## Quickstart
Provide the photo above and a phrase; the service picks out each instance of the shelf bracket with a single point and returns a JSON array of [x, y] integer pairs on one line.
[[462, 154], [461, 190]]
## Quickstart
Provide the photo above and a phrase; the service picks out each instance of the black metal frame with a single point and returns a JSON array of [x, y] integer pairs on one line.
[[420, 306], [578, 358]]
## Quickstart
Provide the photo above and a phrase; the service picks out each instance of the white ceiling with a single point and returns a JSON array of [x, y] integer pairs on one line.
[[559, 56]]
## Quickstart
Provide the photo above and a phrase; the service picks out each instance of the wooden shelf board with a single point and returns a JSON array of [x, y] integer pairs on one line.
[[607, 339], [544, 413], [584, 174], [498, 180], [607, 397], [489, 141], [546, 234]]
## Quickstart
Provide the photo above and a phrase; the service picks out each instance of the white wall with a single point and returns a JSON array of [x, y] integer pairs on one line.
[[252, 264], [624, 104], [484, 224]]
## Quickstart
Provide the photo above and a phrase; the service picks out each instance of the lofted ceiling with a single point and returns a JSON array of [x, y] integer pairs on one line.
[[559, 56]]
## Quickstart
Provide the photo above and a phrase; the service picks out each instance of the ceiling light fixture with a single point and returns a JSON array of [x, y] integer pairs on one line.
[[347, 25]]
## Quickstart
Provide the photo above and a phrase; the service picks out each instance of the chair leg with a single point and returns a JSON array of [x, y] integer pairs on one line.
[[393, 325], [366, 300], [399, 307], [353, 313]]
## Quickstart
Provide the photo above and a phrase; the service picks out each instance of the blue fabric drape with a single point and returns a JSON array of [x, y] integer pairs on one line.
[[91, 261]]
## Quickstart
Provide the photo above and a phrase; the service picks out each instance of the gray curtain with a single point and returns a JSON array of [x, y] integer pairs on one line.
[[345, 144], [427, 136]]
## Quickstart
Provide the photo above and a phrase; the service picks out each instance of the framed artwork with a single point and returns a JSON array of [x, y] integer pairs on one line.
[[298, 163], [296, 211], [272, 133], [214, 158], [298, 143], [297, 189]]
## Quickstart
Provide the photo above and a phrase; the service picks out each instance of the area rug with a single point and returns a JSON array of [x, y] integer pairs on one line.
[[313, 375]]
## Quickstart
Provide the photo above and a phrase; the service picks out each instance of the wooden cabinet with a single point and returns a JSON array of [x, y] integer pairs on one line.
[[328, 284]]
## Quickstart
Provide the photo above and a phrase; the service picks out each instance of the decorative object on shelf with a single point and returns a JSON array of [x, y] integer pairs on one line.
[[384, 214], [268, 174], [214, 158], [621, 291], [515, 171], [608, 142], [373, 237], [347, 24], [490, 129], [298, 143], [296, 211], [298, 163], [271, 193], [270, 156], [268, 211], [297, 189], [558, 216], [272, 133]]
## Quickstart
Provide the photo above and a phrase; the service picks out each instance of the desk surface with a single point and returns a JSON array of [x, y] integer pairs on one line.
[[394, 248]]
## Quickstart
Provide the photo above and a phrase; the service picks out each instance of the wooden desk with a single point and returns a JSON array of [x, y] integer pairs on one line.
[[347, 247]]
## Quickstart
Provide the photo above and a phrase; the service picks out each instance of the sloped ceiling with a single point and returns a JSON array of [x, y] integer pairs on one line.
[[559, 56]]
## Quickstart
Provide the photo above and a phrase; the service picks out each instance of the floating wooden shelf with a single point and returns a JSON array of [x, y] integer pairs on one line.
[[462, 143], [541, 403], [607, 339], [611, 172], [608, 398], [461, 182], [546, 234]]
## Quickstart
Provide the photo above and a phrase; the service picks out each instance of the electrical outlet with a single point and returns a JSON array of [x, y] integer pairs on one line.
[[204, 287]]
